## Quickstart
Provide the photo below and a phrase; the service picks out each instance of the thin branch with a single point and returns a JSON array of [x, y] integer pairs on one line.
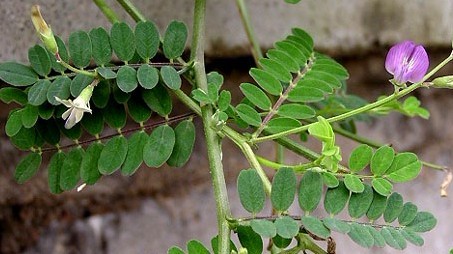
[[130, 8], [109, 13]]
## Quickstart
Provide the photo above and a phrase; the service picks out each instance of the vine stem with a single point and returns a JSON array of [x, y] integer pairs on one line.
[[245, 17], [108, 12], [132, 10], [213, 141], [68, 66], [365, 108]]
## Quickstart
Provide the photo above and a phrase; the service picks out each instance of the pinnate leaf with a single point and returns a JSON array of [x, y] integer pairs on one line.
[[251, 191]]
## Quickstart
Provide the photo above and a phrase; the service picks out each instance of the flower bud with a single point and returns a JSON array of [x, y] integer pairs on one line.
[[407, 61], [443, 82], [45, 33]]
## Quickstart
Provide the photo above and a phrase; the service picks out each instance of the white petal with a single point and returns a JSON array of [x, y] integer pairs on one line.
[[67, 103], [67, 113], [71, 120], [78, 115]]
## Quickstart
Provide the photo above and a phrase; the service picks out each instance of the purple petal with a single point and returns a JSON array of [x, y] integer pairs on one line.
[[397, 54], [418, 65]]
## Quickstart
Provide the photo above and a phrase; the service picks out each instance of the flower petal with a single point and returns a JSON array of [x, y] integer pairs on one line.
[[418, 65], [67, 103], [71, 121], [397, 55], [67, 113]]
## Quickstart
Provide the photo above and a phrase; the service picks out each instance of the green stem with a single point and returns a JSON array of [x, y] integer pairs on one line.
[[66, 65], [108, 12], [308, 244], [130, 8], [213, 142], [365, 108], [256, 50]]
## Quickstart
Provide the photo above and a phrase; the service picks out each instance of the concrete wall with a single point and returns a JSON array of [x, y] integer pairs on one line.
[[153, 209]]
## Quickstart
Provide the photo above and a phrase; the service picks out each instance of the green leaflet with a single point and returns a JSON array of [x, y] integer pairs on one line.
[[250, 240], [266, 81], [394, 207], [184, 143], [361, 235], [147, 76], [93, 123], [138, 110], [70, 171], [379, 240], [115, 115], [158, 99], [336, 225], [37, 94], [49, 131], [422, 222], [24, 138], [101, 94], [251, 191], [381, 160], [264, 228], [283, 189], [17, 74], [170, 77], [196, 247], [106, 73], [113, 155], [412, 237], [79, 82], [120, 96], [60, 88], [39, 60], [276, 69], [286, 227], [359, 203], [102, 51], [27, 167], [330, 179], [393, 238], [134, 157], [14, 123], [80, 48], [147, 39], [284, 59], [126, 79], [159, 146], [360, 157], [296, 111], [353, 183], [89, 169], [224, 100], [315, 226], [248, 114], [408, 214], [256, 96], [280, 124], [29, 116], [382, 186], [12, 94], [336, 199], [174, 41], [122, 40], [405, 167], [175, 250], [377, 207], [54, 170], [310, 191]]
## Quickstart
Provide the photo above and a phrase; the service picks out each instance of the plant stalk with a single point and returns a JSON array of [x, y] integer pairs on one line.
[[108, 12], [130, 8], [245, 17]]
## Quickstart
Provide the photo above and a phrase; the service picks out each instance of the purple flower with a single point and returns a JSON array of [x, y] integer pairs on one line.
[[407, 61]]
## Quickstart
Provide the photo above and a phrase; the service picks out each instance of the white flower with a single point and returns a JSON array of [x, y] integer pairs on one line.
[[77, 107]]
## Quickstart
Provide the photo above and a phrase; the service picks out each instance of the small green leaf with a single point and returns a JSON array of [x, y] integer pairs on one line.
[[89, 169], [126, 79], [113, 155], [382, 186], [102, 51], [248, 114], [360, 235], [80, 48], [413, 237], [336, 225], [264, 228], [122, 40], [159, 146], [284, 59], [79, 82], [175, 250], [70, 171], [393, 238], [49, 131], [328, 65], [296, 111], [330, 79], [299, 54], [224, 100], [138, 110], [250, 240], [379, 240], [17, 74], [170, 77], [377, 207], [201, 96], [266, 81], [115, 115], [281, 242], [196, 247], [93, 123], [27, 167], [215, 79], [310, 191], [281, 124], [322, 130], [330, 179], [134, 157], [106, 73], [147, 39], [292, 1], [184, 142], [405, 167], [53, 172], [303, 35], [315, 226], [14, 123], [25, 138], [60, 88], [158, 99], [408, 214], [305, 94], [101, 94], [29, 116], [37, 94], [359, 203], [73, 133], [251, 191], [394, 207], [353, 183], [215, 245], [175, 38], [360, 157], [46, 111], [12, 94], [39, 60], [283, 189], [256, 96], [381, 160], [276, 69], [423, 222], [336, 199], [147, 76], [120, 96], [287, 227]]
